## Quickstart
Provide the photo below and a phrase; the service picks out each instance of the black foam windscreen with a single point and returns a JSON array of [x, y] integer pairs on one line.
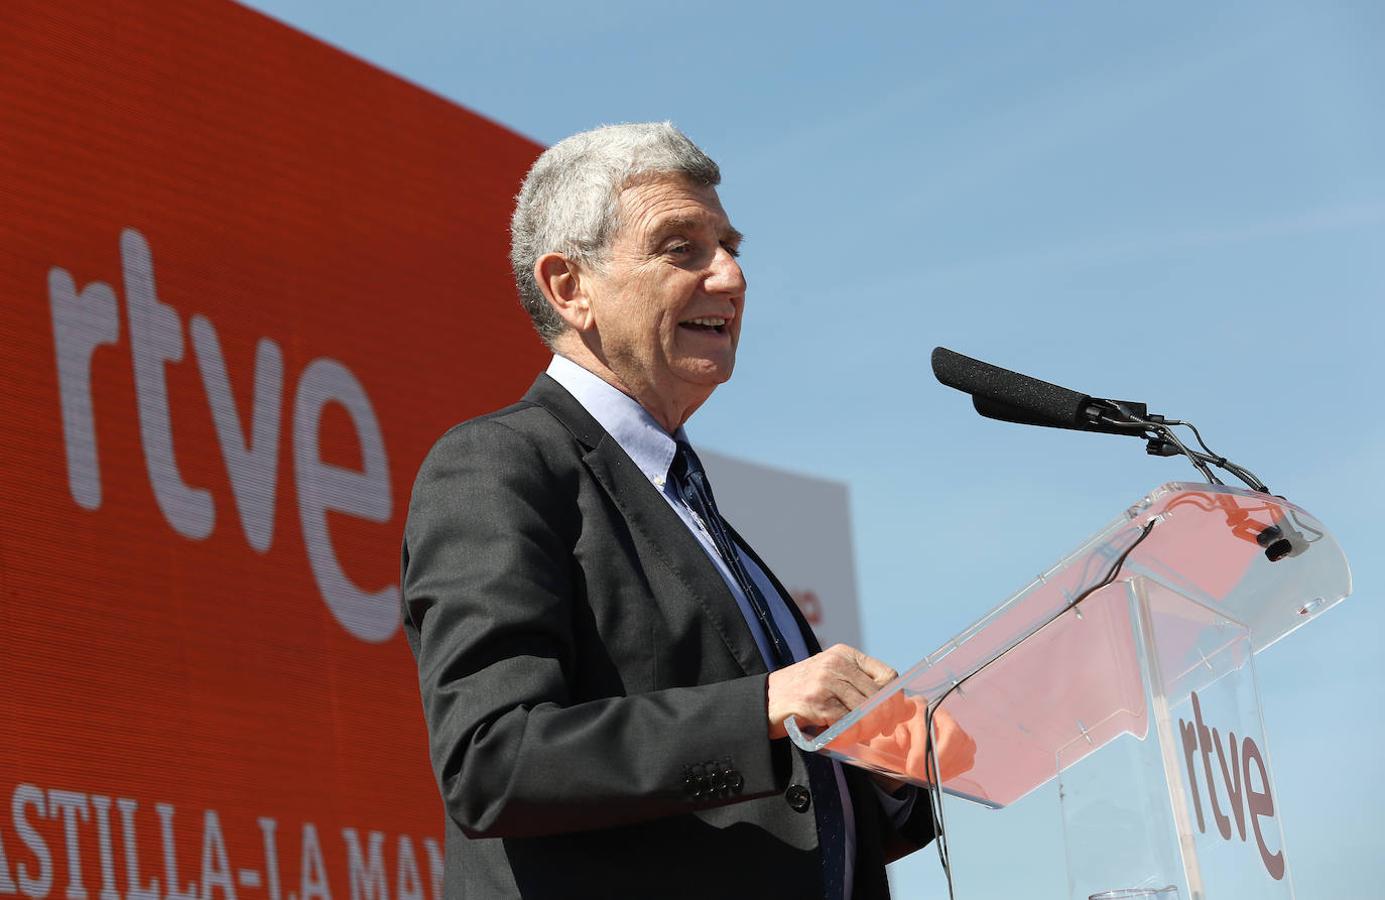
[[994, 409], [1026, 400]]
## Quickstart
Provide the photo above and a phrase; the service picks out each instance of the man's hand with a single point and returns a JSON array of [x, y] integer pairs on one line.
[[954, 748], [895, 736], [825, 687]]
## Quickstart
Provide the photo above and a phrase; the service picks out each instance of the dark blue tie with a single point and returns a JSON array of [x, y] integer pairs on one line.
[[690, 480]]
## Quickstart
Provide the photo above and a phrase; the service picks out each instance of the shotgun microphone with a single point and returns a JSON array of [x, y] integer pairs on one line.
[[1011, 397]]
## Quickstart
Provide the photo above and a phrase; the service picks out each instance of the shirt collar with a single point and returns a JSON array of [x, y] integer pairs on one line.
[[642, 438]]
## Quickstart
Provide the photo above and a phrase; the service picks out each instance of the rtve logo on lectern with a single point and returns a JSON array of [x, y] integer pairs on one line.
[[1237, 763], [88, 317]]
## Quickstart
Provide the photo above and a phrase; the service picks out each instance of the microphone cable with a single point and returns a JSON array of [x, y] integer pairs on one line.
[[935, 791], [1160, 428], [1248, 477]]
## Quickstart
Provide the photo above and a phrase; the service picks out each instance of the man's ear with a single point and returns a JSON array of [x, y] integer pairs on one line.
[[564, 284]]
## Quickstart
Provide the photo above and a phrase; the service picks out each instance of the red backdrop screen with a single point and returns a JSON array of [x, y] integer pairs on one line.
[[245, 281]]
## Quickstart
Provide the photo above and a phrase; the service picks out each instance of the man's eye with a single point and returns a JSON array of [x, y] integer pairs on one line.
[[733, 249]]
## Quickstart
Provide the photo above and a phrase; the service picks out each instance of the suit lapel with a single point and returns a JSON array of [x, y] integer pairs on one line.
[[652, 520]]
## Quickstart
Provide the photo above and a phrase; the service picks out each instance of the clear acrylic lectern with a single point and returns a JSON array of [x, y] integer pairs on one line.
[[1139, 700]]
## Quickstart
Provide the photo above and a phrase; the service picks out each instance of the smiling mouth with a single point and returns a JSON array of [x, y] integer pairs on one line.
[[714, 324]]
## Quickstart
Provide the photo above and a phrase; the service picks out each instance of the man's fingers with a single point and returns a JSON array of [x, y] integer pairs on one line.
[[916, 759], [825, 687], [956, 750], [865, 673], [851, 694], [823, 710], [898, 707], [856, 679], [879, 673]]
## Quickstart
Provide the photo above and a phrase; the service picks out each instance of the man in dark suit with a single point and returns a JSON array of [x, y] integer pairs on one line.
[[605, 666]]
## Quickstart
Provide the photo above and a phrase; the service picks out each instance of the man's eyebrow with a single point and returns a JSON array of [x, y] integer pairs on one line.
[[687, 223]]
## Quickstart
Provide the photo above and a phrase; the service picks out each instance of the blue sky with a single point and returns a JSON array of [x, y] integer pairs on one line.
[[1179, 203]]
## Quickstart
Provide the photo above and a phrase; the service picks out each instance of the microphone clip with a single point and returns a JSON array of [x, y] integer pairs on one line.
[[1281, 541], [1158, 445]]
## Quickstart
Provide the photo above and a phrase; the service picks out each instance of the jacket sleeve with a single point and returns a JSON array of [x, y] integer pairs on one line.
[[489, 594], [907, 830]]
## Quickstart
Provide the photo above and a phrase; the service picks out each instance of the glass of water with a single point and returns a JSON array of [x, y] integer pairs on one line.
[[1168, 892]]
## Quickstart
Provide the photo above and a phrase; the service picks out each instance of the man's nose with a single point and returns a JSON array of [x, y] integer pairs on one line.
[[725, 276]]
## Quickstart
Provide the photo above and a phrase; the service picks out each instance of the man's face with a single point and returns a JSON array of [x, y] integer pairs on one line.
[[667, 304]]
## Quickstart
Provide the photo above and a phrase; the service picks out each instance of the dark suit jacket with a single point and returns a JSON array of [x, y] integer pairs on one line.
[[595, 701]]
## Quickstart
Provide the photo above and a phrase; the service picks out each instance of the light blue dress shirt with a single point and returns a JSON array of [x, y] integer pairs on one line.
[[651, 448]]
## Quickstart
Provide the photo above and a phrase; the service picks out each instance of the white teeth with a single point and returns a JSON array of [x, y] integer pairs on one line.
[[713, 322]]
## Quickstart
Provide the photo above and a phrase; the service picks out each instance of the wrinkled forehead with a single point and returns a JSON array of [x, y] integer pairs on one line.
[[651, 205]]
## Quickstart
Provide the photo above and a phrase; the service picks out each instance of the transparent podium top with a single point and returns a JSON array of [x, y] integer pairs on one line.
[[1027, 669]]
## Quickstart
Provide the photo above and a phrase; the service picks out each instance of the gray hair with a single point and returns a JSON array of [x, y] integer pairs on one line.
[[569, 203]]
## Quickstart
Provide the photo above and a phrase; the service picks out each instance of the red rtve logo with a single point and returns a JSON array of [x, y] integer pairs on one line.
[[1246, 800]]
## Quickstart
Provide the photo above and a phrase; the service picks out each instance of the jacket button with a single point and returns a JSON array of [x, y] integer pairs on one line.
[[798, 797]]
